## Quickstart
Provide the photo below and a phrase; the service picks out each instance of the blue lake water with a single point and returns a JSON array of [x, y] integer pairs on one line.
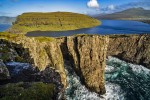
[[4, 27], [107, 27]]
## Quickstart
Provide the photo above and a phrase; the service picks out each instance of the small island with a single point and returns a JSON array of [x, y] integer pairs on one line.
[[54, 21]]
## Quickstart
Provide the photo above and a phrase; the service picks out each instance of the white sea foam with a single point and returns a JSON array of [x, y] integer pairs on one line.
[[115, 67], [120, 73], [113, 92], [77, 91], [135, 68], [109, 68], [139, 69]]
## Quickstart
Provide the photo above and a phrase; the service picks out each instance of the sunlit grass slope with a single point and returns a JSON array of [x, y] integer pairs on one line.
[[55, 21]]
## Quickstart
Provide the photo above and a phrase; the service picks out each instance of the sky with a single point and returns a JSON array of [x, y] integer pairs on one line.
[[17, 7]]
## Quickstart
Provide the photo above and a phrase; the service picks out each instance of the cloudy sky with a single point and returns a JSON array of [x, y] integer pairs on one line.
[[16, 7]]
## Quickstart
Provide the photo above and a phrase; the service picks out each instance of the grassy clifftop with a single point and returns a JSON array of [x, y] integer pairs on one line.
[[55, 21]]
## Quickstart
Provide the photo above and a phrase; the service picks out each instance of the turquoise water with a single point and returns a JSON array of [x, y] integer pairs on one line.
[[133, 79], [124, 81]]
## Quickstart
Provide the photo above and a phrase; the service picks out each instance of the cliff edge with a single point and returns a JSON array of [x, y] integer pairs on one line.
[[85, 53], [131, 48]]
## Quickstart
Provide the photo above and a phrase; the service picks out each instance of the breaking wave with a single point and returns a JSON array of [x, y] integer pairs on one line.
[[124, 81]]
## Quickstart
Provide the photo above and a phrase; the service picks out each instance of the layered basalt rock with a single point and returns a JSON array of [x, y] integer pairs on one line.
[[131, 48]]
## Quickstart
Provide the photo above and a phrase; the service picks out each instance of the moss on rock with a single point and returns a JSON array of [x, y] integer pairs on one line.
[[27, 91]]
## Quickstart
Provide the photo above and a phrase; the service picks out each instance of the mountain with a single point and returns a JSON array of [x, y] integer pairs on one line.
[[7, 20], [129, 14], [54, 21]]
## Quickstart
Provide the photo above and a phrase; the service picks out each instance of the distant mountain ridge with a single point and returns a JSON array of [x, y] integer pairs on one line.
[[7, 20], [129, 14]]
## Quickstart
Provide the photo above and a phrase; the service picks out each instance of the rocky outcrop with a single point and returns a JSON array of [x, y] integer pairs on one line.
[[131, 48], [39, 54], [4, 73], [86, 54]]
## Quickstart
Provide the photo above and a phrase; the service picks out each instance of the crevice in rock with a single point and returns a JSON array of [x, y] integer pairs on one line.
[[69, 59], [15, 52], [79, 73]]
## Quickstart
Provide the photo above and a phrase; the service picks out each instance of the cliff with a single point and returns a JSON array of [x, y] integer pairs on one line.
[[38, 52], [55, 21], [86, 54], [131, 48]]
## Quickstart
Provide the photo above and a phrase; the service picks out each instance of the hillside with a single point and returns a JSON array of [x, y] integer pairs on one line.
[[7, 20], [129, 14], [55, 21]]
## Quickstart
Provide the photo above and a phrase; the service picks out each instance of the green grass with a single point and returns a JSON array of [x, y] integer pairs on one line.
[[56, 21], [44, 39], [6, 35], [13, 37], [27, 91]]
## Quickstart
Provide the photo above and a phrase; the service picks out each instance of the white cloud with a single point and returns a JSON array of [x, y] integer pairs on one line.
[[93, 4], [111, 7]]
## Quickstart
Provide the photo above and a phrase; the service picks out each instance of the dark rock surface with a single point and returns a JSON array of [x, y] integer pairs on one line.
[[131, 48], [4, 73]]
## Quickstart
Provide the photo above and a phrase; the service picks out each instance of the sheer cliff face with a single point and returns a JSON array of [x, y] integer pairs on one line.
[[132, 48], [41, 54], [86, 54]]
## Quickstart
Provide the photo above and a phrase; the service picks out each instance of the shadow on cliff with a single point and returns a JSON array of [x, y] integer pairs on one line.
[[68, 58], [122, 56], [12, 52], [17, 53]]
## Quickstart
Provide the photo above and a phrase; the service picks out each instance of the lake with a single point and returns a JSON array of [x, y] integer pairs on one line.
[[107, 27], [4, 27]]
